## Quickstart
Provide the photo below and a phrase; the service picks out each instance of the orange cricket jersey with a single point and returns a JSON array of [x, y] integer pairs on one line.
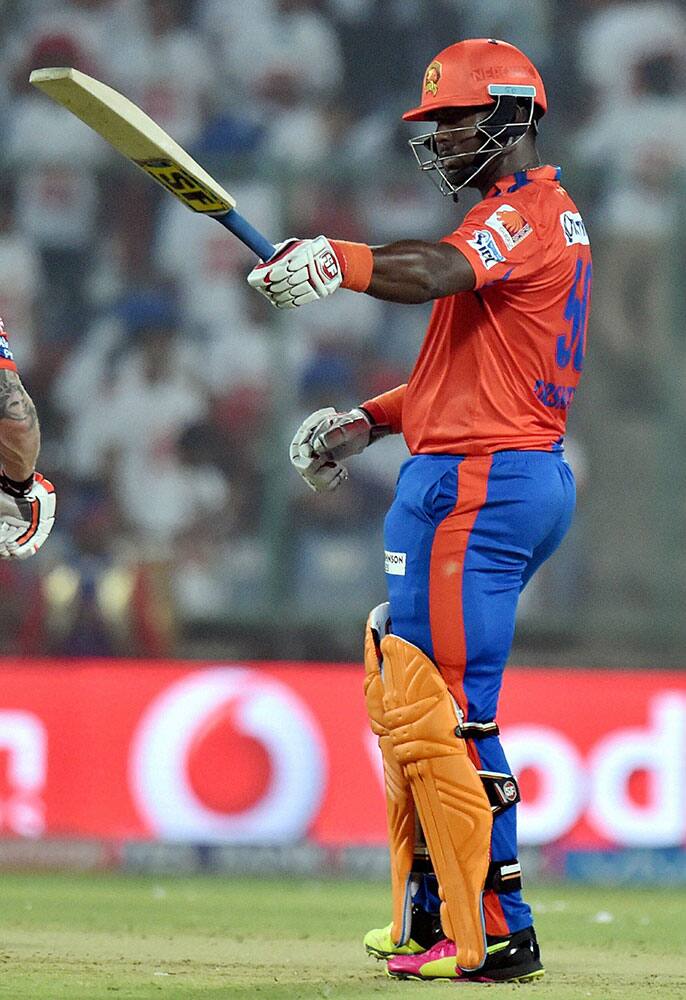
[[499, 365]]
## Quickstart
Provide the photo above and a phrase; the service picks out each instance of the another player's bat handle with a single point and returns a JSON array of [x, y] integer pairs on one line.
[[241, 228]]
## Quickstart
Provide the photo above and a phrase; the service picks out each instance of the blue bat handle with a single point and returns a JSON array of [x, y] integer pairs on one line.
[[241, 228]]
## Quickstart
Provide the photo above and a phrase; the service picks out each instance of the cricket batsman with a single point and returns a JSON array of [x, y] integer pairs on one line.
[[485, 498], [27, 500]]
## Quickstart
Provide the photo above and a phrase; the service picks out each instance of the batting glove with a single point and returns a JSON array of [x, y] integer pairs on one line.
[[340, 435], [325, 438], [27, 514], [301, 271], [320, 473]]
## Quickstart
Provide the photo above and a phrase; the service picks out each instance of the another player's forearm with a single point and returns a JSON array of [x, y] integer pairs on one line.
[[18, 455], [19, 428]]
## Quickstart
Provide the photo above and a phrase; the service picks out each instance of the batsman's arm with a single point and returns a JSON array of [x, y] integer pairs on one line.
[[19, 428], [414, 271], [409, 271], [386, 410]]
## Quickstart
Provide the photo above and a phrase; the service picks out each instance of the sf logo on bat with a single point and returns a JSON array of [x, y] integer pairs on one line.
[[184, 185]]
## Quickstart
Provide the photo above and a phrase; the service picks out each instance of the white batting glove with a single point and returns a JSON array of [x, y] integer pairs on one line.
[[301, 271], [321, 474], [26, 520], [340, 435], [325, 438]]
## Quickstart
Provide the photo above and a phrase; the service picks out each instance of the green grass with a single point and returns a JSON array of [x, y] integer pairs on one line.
[[82, 937]]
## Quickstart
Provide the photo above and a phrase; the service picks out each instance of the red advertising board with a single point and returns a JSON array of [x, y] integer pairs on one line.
[[278, 752]]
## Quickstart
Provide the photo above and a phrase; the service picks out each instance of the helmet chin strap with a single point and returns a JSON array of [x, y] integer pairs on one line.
[[501, 121]]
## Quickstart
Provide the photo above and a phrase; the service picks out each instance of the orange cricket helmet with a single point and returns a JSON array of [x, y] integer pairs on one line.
[[474, 73]]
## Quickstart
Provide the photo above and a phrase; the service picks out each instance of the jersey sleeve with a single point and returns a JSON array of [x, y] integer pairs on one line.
[[388, 408], [500, 241], [6, 356]]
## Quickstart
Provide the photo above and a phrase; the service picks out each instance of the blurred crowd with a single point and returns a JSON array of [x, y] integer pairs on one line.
[[168, 391]]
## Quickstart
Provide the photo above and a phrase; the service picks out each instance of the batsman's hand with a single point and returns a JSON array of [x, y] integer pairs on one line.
[[324, 439], [27, 520], [300, 271]]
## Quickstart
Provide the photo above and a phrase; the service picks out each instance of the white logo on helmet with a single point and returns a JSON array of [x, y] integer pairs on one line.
[[264, 710]]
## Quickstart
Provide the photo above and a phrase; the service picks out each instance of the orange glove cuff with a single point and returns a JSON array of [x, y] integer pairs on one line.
[[357, 264]]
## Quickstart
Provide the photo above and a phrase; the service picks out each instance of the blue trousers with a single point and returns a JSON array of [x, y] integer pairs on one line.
[[463, 537]]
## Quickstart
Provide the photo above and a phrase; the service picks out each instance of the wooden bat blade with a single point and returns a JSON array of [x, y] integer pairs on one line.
[[136, 136]]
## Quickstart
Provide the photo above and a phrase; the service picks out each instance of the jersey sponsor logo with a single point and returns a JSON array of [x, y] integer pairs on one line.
[[510, 225], [574, 229], [487, 249], [394, 563], [556, 397]]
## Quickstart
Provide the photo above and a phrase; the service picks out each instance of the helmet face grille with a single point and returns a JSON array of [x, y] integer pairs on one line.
[[501, 133]]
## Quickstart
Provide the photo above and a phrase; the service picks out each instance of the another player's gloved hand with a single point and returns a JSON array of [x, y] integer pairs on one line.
[[325, 438], [27, 514], [301, 271]]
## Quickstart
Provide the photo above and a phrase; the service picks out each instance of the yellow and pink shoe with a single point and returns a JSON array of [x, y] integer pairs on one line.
[[425, 929], [514, 959], [380, 944]]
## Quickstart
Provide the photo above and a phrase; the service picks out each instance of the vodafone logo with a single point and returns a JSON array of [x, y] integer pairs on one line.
[[630, 789], [24, 744], [228, 755]]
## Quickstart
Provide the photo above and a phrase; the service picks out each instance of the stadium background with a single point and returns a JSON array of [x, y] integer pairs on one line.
[[168, 393]]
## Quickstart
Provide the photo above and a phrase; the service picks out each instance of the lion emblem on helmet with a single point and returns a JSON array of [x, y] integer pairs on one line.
[[432, 78]]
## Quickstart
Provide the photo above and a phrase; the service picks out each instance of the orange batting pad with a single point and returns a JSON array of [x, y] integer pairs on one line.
[[453, 807], [400, 811]]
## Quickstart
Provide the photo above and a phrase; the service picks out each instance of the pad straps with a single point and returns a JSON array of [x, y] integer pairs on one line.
[[502, 790], [504, 876], [477, 730]]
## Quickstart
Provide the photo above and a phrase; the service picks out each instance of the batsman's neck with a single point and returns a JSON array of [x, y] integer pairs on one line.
[[523, 156]]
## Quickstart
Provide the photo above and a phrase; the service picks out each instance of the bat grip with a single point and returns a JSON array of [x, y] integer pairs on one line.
[[247, 234]]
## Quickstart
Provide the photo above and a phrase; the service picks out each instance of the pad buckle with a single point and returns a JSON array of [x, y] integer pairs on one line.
[[476, 730], [504, 876], [502, 790]]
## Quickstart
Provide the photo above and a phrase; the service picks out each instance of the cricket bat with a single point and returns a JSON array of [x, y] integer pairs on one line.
[[141, 140]]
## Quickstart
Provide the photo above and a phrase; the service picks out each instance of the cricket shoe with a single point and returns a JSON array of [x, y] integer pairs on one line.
[[426, 931], [513, 959]]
